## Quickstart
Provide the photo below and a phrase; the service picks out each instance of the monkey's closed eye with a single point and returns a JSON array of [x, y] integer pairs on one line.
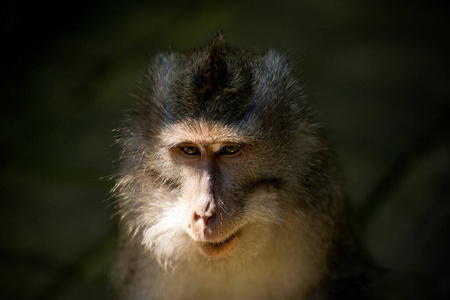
[[190, 150], [230, 150]]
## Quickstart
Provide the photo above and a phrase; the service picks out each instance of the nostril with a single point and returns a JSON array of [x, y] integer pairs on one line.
[[196, 217], [209, 219]]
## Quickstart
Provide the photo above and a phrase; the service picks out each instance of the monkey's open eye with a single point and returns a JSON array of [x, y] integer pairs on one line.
[[190, 150], [230, 150]]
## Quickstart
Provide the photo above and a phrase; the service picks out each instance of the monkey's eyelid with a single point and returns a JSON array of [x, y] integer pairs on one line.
[[231, 150], [190, 150]]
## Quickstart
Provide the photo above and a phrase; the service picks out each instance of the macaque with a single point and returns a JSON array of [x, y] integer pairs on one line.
[[227, 189]]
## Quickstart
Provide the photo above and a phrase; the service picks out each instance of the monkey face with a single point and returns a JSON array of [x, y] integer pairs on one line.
[[214, 166]]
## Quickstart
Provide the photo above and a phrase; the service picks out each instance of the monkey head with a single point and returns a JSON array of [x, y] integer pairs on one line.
[[208, 152]]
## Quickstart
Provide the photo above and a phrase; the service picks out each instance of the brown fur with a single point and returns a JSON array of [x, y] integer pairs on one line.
[[268, 223]]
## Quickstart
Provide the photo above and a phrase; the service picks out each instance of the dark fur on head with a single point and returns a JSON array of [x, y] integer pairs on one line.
[[216, 83]]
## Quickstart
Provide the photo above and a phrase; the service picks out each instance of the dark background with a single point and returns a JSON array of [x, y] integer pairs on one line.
[[377, 73]]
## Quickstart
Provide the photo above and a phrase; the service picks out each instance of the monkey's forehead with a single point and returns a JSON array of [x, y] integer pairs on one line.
[[202, 132]]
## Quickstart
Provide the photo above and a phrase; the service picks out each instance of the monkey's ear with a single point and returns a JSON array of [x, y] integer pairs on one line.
[[163, 69], [276, 63], [163, 63]]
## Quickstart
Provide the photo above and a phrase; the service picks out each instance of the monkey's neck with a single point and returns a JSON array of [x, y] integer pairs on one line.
[[284, 271]]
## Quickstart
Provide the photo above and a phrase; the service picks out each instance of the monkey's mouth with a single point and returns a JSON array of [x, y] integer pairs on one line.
[[220, 249]]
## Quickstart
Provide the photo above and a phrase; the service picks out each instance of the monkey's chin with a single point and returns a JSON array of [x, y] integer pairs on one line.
[[215, 250]]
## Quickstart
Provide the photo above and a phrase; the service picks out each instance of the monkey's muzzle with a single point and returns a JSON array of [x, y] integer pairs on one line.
[[219, 249]]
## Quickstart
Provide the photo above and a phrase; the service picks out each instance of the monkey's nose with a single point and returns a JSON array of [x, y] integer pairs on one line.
[[207, 218]]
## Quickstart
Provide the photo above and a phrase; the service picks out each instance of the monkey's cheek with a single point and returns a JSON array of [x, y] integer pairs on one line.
[[215, 250]]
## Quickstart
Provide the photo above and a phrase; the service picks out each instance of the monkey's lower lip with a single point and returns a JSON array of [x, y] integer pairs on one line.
[[219, 249]]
